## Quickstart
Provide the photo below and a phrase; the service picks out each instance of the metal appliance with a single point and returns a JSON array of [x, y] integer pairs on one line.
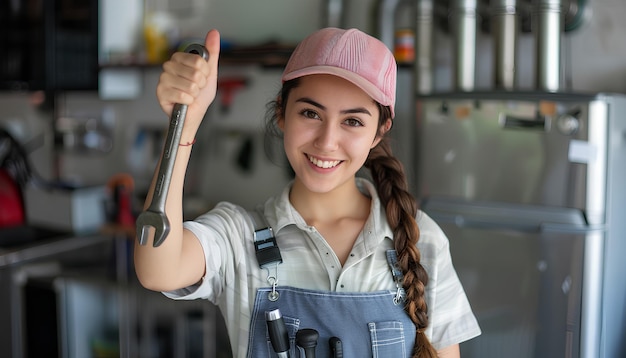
[[529, 188]]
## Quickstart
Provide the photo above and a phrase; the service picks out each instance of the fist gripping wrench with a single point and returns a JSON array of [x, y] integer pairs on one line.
[[155, 216]]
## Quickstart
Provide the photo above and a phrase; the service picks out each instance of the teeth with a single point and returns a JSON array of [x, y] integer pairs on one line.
[[324, 163]]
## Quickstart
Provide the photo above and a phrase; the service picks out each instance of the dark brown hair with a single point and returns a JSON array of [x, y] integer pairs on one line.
[[401, 209]]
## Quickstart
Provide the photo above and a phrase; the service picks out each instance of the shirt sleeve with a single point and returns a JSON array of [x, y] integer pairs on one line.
[[220, 232], [451, 320]]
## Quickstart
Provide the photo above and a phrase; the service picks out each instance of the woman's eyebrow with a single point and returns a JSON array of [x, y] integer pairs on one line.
[[322, 107], [311, 102], [356, 110]]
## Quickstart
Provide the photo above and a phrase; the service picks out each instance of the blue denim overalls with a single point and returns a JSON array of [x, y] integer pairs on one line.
[[369, 324]]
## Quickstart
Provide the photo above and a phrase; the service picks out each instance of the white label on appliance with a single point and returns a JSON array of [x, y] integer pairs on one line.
[[582, 152]]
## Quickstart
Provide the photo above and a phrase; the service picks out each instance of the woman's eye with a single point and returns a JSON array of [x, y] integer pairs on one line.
[[353, 122], [309, 114]]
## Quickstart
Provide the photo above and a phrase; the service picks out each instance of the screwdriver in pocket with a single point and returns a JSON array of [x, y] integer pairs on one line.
[[306, 339], [278, 332], [336, 349]]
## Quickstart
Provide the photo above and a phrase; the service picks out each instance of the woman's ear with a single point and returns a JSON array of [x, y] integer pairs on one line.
[[384, 129], [388, 125]]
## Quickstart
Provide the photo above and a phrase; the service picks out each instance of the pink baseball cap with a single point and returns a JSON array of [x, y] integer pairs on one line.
[[350, 54]]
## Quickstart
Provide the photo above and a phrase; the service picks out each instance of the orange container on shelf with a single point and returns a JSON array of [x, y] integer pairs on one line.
[[404, 47]]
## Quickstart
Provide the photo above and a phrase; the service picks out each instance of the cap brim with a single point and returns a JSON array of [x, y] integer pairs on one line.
[[355, 79]]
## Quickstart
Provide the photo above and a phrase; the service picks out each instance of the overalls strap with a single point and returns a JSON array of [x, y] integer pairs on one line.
[[398, 276], [267, 251]]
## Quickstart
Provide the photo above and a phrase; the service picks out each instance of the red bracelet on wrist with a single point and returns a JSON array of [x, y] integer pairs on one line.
[[188, 143]]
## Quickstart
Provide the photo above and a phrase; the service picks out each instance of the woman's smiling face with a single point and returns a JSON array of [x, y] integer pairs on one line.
[[329, 127]]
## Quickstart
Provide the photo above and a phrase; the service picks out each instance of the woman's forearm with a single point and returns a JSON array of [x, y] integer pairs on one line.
[[172, 264]]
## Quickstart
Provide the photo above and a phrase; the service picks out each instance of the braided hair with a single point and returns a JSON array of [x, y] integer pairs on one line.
[[401, 210]]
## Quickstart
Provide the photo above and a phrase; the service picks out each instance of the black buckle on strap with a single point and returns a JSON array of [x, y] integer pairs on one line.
[[267, 251]]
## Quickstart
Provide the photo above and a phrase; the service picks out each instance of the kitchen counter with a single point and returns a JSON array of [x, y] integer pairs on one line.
[[24, 244]]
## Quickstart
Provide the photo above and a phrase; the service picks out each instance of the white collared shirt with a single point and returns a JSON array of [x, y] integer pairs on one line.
[[233, 275]]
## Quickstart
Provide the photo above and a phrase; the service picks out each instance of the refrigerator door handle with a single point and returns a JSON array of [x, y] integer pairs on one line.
[[466, 222], [510, 122], [488, 215], [570, 229], [485, 224]]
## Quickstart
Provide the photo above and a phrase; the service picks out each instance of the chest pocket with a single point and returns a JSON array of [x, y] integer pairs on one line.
[[387, 339]]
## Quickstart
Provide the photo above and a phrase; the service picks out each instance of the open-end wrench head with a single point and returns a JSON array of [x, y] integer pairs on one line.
[[158, 221]]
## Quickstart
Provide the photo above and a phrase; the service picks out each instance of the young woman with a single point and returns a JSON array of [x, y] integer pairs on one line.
[[359, 261]]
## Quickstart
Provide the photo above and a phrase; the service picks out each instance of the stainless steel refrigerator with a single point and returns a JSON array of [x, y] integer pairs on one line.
[[531, 190]]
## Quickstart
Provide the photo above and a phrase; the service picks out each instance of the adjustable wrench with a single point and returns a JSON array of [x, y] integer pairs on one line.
[[155, 216]]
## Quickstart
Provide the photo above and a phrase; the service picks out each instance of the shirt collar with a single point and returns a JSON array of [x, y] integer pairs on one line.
[[280, 213]]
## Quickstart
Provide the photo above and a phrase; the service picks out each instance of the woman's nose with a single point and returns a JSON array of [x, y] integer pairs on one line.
[[327, 137]]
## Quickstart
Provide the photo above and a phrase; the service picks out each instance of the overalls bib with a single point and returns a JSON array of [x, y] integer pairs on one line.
[[369, 324]]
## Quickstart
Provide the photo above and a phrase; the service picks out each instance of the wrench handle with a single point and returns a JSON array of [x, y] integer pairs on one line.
[[172, 141], [166, 167]]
